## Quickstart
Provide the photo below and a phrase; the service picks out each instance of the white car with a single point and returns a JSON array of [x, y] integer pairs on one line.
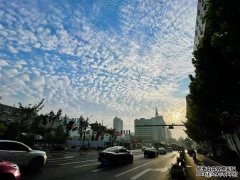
[[22, 155]]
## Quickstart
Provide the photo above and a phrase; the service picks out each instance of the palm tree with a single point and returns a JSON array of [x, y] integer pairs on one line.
[[98, 129]]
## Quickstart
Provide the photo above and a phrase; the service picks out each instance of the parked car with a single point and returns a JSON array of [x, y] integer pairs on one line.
[[143, 148], [150, 152], [115, 155], [162, 150], [9, 171], [22, 155]]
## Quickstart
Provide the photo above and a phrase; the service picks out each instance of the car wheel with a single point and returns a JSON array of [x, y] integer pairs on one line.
[[36, 164], [130, 161]]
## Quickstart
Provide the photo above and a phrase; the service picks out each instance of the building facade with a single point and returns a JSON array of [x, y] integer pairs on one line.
[[9, 114], [118, 124], [151, 133], [200, 22]]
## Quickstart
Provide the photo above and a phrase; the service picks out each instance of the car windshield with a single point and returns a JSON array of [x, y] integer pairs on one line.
[[112, 149]]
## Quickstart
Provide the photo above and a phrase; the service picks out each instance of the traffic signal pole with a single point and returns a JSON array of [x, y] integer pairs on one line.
[[170, 126]]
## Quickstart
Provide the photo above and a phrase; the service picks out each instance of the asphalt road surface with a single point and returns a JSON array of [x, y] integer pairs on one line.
[[87, 167]]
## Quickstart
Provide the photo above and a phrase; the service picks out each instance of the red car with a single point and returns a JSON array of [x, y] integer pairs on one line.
[[9, 171]]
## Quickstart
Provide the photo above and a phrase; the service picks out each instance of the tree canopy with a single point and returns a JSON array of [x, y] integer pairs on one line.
[[214, 99]]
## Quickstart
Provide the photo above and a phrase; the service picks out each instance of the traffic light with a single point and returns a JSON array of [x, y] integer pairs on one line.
[[121, 131], [171, 127]]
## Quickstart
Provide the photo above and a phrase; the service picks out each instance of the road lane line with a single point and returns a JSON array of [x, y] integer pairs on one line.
[[75, 162], [147, 170], [98, 170], [140, 174], [160, 169], [133, 169], [86, 165]]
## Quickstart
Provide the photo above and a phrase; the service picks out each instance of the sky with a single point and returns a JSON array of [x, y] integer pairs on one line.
[[104, 58]]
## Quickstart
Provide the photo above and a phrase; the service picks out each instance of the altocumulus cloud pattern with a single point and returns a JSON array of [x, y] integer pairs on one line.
[[109, 58]]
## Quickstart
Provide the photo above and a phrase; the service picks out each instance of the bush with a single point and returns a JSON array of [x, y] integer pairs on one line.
[[58, 147]]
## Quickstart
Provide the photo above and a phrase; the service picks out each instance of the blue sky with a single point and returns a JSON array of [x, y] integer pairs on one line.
[[103, 58]]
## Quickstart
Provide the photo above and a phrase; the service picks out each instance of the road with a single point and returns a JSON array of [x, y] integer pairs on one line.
[[87, 167]]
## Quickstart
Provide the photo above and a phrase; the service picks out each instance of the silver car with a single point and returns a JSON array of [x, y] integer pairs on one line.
[[22, 155]]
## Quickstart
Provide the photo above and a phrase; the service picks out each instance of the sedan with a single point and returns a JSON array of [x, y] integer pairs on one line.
[[9, 171], [162, 150], [115, 155], [150, 152]]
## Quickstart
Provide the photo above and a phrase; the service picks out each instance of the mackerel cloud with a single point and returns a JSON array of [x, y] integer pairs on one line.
[[108, 58]]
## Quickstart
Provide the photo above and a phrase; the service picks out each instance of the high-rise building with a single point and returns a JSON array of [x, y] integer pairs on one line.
[[118, 124], [200, 22], [151, 133]]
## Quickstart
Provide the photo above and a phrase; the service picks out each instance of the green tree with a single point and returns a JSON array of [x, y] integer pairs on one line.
[[60, 136], [3, 128], [97, 129], [112, 134], [213, 89], [188, 142], [26, 116]]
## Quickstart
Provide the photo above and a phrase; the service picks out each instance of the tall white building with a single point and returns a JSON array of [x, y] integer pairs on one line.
[[118, 124], [151, 134], [200, 22]]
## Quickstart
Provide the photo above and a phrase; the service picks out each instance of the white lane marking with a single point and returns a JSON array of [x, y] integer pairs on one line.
[[86, 165], [160, 169], [53, 159], [98, 170], [133, 169], [75, 162], [140, 174], [147, 170]]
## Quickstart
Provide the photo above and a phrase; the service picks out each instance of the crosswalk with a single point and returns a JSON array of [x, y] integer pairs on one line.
[[69, 160], [79, 162], [76, 162]]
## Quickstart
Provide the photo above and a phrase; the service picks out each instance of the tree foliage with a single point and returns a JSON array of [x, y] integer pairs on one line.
[[98, 130], [214, 100]]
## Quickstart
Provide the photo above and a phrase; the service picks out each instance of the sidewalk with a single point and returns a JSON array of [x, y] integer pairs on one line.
[[191, 169]]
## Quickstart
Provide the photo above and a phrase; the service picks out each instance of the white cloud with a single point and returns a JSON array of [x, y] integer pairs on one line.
[[82, 67], [3, 63]]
